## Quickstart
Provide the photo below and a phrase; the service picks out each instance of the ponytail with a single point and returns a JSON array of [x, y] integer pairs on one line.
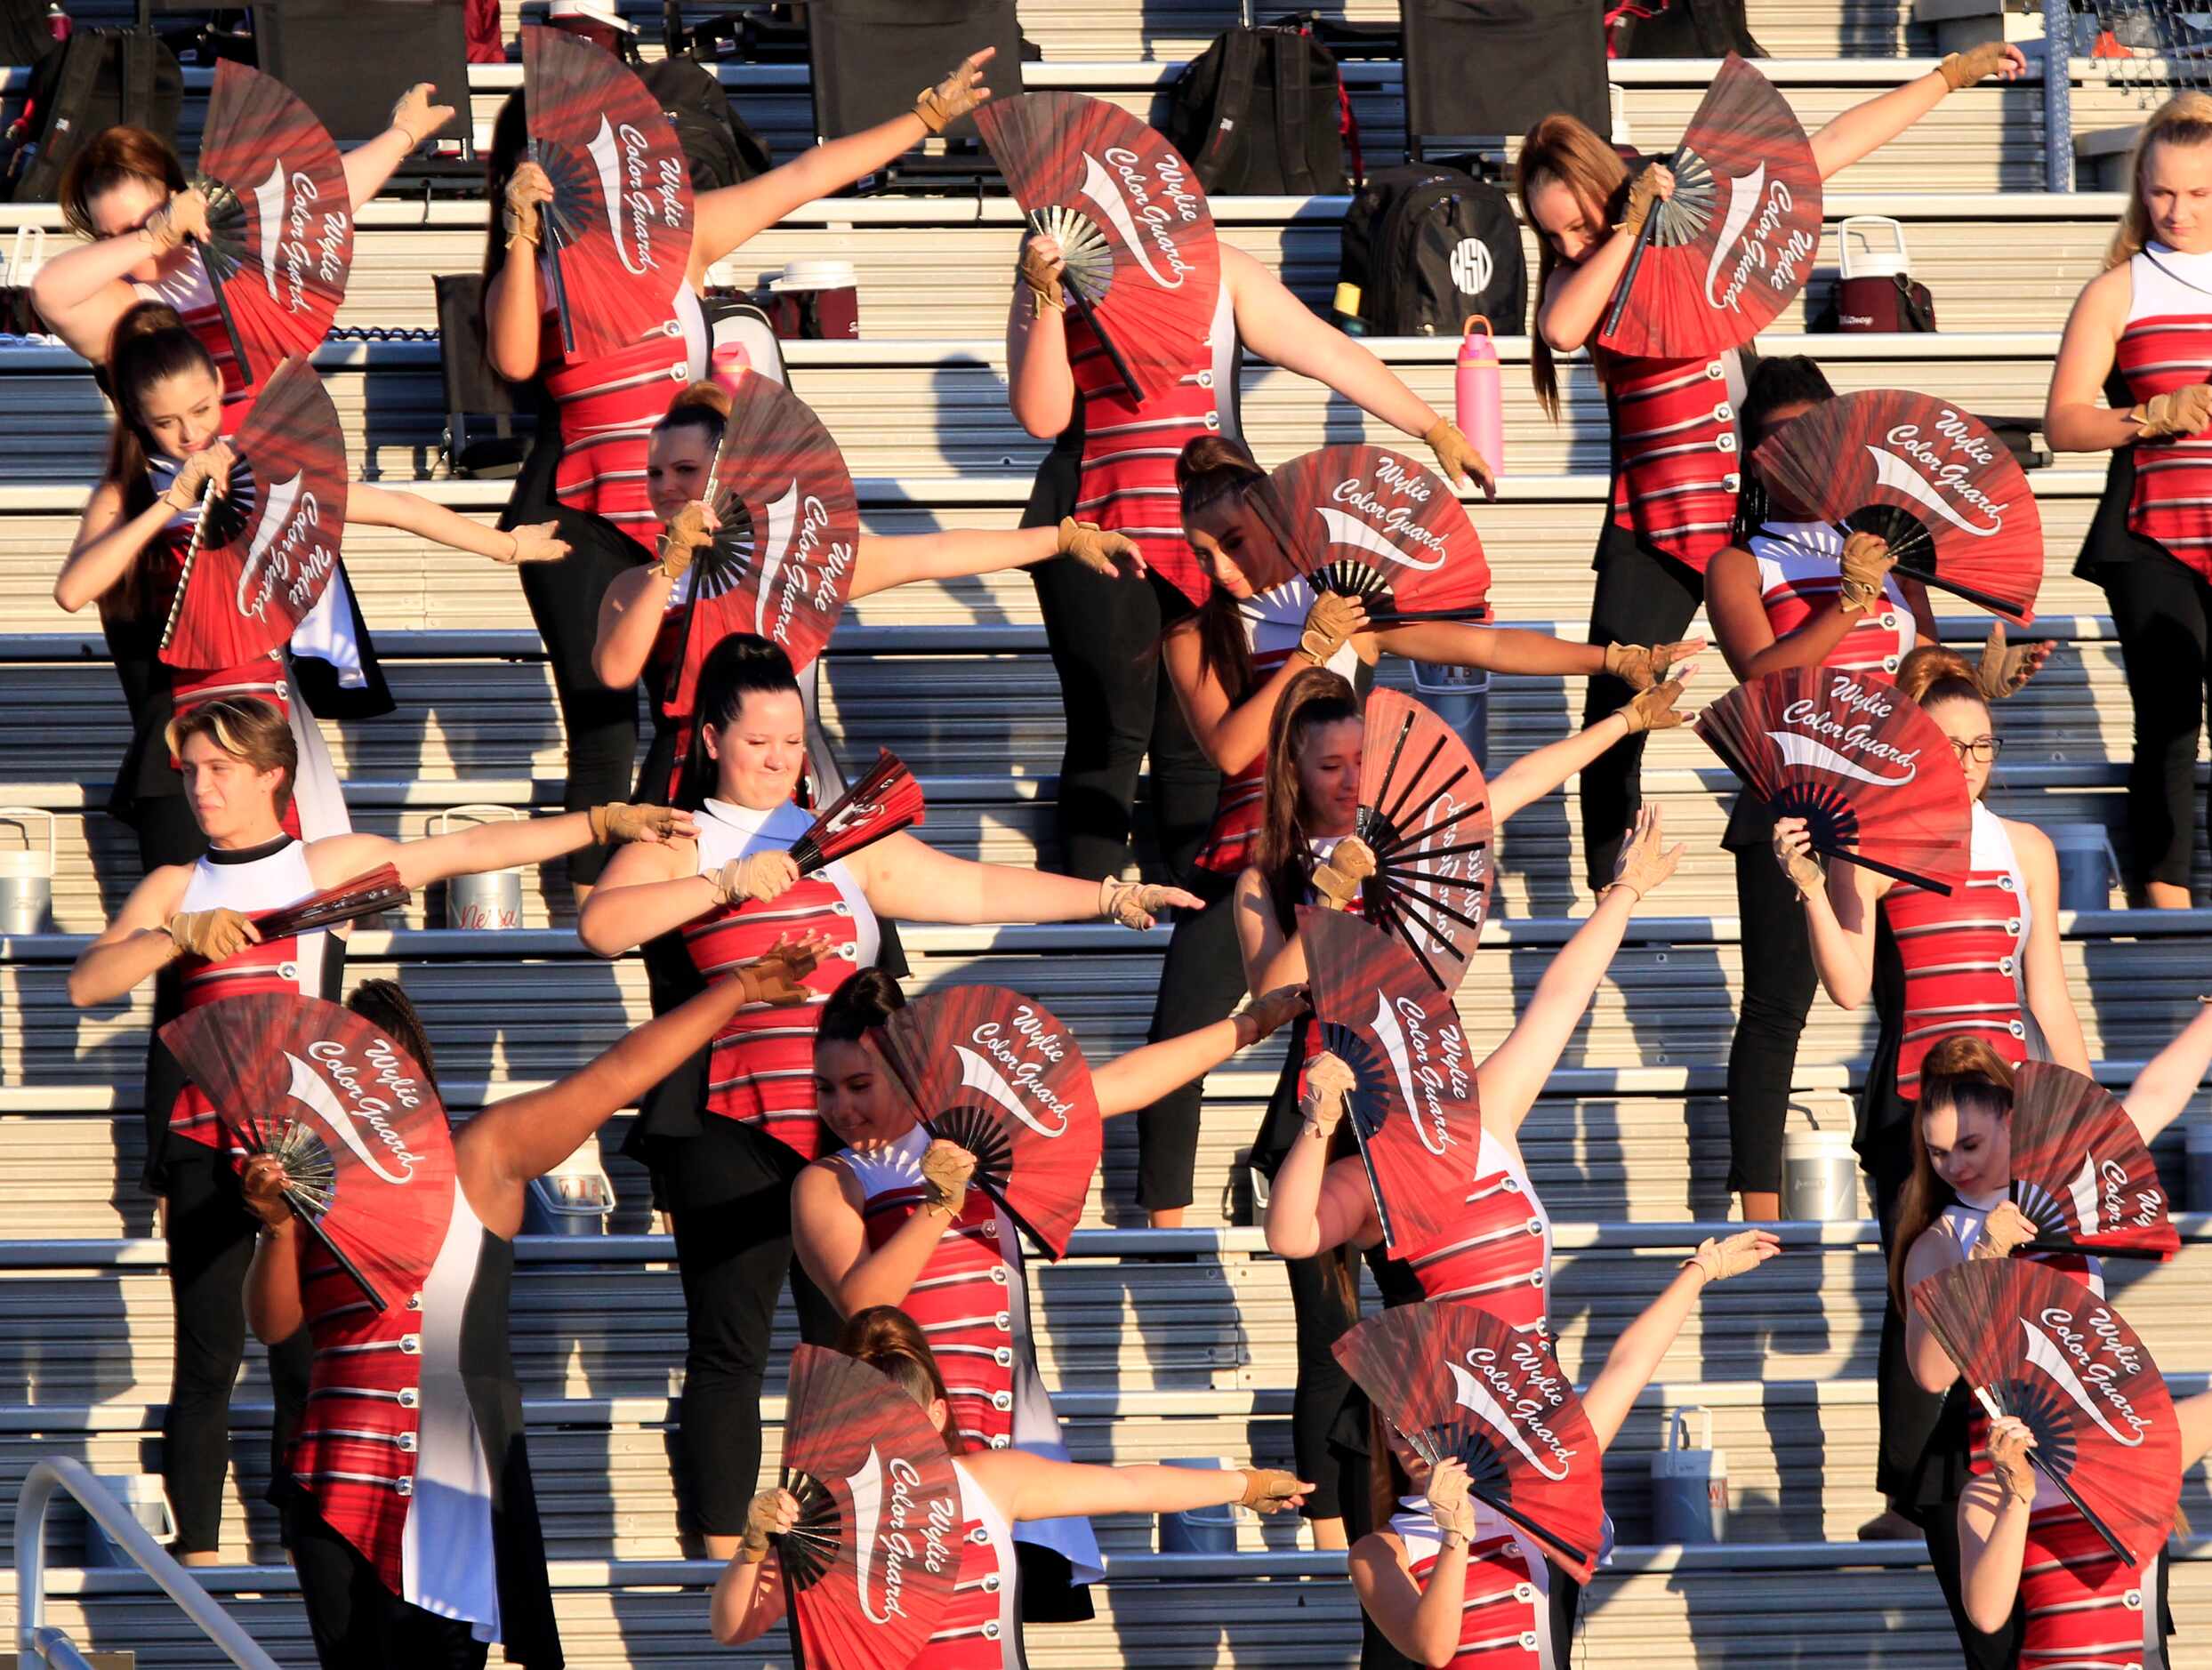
[[888, 1341]]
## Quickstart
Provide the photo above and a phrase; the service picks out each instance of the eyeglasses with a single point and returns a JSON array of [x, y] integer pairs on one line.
[[1983, 749]]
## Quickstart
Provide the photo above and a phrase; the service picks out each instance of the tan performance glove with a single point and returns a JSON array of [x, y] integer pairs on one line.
[[2010, 1440], [2006, 1229], [1976, 63], [1804, 870], [1644, 191], [764, 876], [416, 117], [1645, 860], [770, 1513], [779, 975], [1270, 1490], [946, 1170], [952, 98], [1349, 864], [196, 472], [529, 189], [1137, 904], [617, 822], [2183, 411], [1328, 1080], [1866, 564], [1040, 267], [1640, 667], [688, 534], [1655, 709], [1332, 622], [1101, 552], [533, 542], [214, 934], [1743, 1251], [263, 1185], [1269, 1013], [1449, 1504], [1457, 458], [2004, 668], [183, 216]]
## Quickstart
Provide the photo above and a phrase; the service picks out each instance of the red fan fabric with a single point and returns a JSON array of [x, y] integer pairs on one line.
[[885, 801], [1377, 524], [2079, 1170], [1738, 238], [1414, 1109], [1129, 212], [1929, 478], [870, 1565], [1425, 811], [999, 1075], [1457, 1383], [781, 563], [1874, 779], [369, 893], [2047, 1350], [280, 219], [274, 1059], [617, 234], [265, 561]]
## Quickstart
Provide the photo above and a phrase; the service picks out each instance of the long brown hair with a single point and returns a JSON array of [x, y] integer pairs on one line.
[[703, 406], [891, 1343], [1387, 1481], [1562, 148], [1315, 697], [1212, 468], [2183, 119], [109, 158], [1962, 1072], [511, 139], [149, 345]]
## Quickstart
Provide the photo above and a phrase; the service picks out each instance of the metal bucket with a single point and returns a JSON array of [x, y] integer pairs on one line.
[[1690, 1486], [1819, 1177], [574, 1197], [26, 876], [139, 1495], [1199, 1530], [2197, 1180], [1460, 696], [2088, 868], [493, 899]]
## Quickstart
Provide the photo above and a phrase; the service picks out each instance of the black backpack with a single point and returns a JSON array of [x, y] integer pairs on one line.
[[489, 421], [1679, 28], [1262, 110], [1426, 247], [95, 80], [720, 146]]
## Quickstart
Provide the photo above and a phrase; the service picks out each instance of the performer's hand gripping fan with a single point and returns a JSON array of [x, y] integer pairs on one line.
[[1874, 779], [1458, 1385], [870, 1565], [2080, 1170], [1929, 478], [996, 1072], [1130, 217], [279, 218], [1414, 1109], [1375, 525], [1717, 261], [262, 556], [780, 561], [617, 234], [882, 803], [363, 1139], [2039, 1345]]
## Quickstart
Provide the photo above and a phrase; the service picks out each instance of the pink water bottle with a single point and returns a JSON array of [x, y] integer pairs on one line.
[[728, 364], [1477, 397]]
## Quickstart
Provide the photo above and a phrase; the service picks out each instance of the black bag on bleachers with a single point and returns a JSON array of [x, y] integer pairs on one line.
[[93, 81], [350, 60], [1680, 28], [489, 422], [870, 57], [1261, 111], [1426, 247], [718, 143], [1482, 69]]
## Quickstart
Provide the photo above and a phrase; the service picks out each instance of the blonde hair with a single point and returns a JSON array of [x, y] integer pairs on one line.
[[2183, 119], [1561, 149], [249, 727]]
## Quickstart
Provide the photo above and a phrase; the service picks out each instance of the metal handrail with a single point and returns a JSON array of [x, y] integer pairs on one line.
[[48, 1645]]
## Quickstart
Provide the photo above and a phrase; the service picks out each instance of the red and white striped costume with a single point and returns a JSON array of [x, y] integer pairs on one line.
[[1800, 570], [981, 1628], [609, 408], [761, 1067], [1505, 1621], [972, 1301], [2167, 344], [1499, 1255], [1675, 458], [1127, 482], [1964, 956]]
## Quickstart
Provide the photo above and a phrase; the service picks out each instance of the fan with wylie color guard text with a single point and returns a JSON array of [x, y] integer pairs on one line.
[[2080, 1170], [997, 1073], [872, 1563], [882, 803], [260, 559], [1457, 1383], [1720, 258], [1872, 777], [1130, 220], [367, 1152], [1929, 478], [617, 234], [2039, 1345], [1414, 1107], [1376, 525]]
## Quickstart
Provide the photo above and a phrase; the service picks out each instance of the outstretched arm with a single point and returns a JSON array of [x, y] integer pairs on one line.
[[414, 119], [1532, 776], [2162, 1089], [1027, 1486], [1634, 1356], [498, 846], [910, 879], [1143, 1076], [412, 513], [888, 560], [1868, 127]]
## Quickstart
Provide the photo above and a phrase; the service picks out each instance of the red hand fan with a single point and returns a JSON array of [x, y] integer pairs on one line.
[[279, 218], [260, 561], [1874, 779], [1457, 1383], [1376, 526], [369, 893], [2079, 1170], [619, 231], [885, 801], [2041, 1347], [1425, 813], [1414, 1109], [1717, 261], [781, 562], [362, 1135], [996, 1072], [872, 1563], [1130, 217], [1929, 478]]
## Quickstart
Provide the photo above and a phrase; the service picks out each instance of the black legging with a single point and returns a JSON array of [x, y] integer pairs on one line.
[[728, 1196], [2163, 610], [211, 1243], [1200, 981], [360, 1625], [1777, 994], [1642, 598]]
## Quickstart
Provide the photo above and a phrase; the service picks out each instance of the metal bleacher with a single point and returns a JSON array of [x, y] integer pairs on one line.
[[1156, 1345]]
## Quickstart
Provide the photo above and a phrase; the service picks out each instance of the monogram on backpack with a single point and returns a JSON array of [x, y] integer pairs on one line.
[[1263, 111], [1426, 246]]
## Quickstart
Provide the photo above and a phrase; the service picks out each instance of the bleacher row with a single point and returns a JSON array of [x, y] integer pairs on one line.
[[1154, 1344]]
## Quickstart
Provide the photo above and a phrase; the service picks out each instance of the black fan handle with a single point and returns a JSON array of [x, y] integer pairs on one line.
[[1581, 1556], [1136, 391], [191, 556], [2063, 1245], [1636, 265]]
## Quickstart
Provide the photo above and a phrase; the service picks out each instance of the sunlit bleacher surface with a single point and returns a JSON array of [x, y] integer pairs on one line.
[[1157, 1345]]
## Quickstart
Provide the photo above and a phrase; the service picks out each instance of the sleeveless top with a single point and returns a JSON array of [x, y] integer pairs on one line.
[[1676, 466], [1512, 1617], [1500, 1256], [1128, 469], [2167, 344], [1962, 1222], [608, 407], [760, 1065], [972, 1301], [981, 1628], [1800, 572]]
